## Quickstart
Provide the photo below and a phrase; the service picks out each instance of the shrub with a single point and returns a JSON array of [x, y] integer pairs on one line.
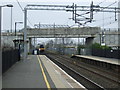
[[98, 46]]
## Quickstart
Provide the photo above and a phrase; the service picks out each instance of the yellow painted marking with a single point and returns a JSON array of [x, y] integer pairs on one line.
[[45, 78]]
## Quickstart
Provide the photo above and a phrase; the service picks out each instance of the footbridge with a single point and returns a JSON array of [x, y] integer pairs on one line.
[[63, 32], [83, 32]]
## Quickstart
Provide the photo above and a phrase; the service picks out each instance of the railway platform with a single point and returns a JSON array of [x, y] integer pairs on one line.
[[109, 63], [38, 71], [101, 59]]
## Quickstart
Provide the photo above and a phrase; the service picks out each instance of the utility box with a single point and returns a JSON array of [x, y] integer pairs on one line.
[[35, 52]]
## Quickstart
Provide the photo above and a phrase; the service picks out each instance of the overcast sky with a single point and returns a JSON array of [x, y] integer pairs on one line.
[[105, 20]]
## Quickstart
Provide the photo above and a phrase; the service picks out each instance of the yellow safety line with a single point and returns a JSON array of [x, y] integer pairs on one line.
[[45, 78]]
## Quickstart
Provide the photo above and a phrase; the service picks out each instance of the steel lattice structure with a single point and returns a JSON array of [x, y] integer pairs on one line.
[[70, 8], [50, 26]]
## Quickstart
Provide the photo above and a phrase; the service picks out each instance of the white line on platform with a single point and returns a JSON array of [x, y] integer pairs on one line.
[[67, 74], [70, 84], [57, 72]]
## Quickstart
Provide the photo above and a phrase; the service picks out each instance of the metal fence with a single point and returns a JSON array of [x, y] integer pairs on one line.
[[106, 53], [68, 51], [85, 51], [9, 57]]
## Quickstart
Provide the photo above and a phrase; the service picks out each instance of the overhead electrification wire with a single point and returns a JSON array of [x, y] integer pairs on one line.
[[101, 2], [19, 5], [23, 11], [106, 18], [99, 5], [109, 23], [105, 8], [111, 4]]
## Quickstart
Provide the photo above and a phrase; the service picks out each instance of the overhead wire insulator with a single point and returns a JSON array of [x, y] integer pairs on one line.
[[91, 12], [73, 12], [115, 15]]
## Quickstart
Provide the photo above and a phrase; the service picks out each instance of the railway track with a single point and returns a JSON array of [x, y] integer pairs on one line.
[[61, 61], [89, 83], [112, 76]]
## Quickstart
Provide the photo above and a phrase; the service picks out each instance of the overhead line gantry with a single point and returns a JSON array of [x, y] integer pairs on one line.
[[68, 8]]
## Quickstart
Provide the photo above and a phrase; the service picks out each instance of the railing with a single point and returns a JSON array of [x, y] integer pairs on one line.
[[106, 53]]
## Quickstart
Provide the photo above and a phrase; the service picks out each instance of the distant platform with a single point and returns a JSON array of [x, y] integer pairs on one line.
[[101, 59]]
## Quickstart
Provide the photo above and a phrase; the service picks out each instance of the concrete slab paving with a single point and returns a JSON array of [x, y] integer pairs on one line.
[[29, 74], [60, 78], [24, 74]]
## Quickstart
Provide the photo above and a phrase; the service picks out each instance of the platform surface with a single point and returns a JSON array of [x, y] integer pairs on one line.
[[102, 59], [58, 76], [38, 72], [24, 74]]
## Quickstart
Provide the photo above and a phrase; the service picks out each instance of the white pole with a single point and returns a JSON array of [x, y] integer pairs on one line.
[[119, 26], [0, 50], [25, 34], [11, 19]]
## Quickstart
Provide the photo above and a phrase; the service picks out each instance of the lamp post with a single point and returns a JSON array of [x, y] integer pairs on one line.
[[0, 43], [11, 20], [16, 26], [16, 30], [9, 5]]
